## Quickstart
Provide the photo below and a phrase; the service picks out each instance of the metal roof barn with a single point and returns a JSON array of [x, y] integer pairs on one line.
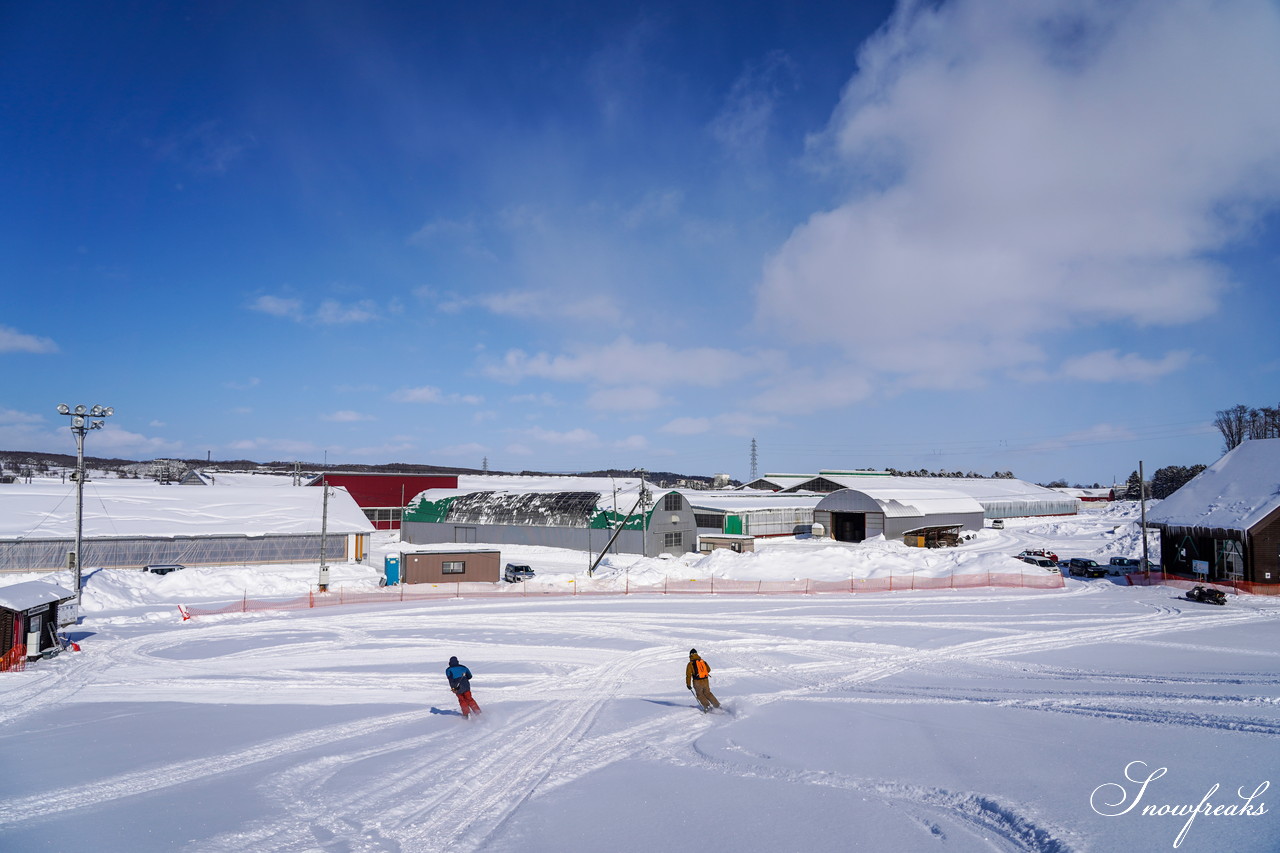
[[135, 523]]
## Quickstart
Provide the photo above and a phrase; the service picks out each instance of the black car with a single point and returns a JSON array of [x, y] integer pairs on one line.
[[1207, 595], [163, 568], [1081, 567]]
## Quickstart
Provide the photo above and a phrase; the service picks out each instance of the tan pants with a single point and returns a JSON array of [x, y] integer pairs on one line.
[[702, 692]]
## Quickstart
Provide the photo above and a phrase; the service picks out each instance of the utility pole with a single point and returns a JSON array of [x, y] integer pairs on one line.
[[324, 534], [1142, 491]]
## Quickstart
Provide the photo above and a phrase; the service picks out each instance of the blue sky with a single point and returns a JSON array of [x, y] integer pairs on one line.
[[976, 235]]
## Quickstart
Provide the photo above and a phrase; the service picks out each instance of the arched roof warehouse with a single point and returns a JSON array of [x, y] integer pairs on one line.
[[852, 515], [999, 497]]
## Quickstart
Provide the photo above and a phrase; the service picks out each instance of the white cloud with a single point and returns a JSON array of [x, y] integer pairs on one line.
[[687, 426], [548, 304], [1097, 434], [578, 436], [632, 442], [275, 445], [1110, 366], [625, 362], [636, 399], [747, 117], [111, 440], [1028, 168], [330, 312], [278, 306], [12, 417], [806, 392], [460, 450], [346, 416], [398, 446], [432, 394], [11, 340]]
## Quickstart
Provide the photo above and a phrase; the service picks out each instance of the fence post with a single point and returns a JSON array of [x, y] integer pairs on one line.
[[311, 597], [713, 586], [244, 602]]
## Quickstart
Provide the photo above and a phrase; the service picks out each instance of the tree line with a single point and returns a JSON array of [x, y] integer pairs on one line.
[[1241, 423]]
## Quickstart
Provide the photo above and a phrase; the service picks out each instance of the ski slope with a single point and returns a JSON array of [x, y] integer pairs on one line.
[[949, 721]]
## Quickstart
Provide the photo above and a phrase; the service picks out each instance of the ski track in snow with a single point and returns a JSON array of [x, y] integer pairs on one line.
[[454, 787]]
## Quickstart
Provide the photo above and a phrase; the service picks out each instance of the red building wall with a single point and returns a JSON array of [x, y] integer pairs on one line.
[[388, 491]]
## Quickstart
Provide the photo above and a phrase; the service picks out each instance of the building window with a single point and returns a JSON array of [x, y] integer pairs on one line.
[[1231, 558], [453, 567], [673, 540], [713, 521], [671, 503]]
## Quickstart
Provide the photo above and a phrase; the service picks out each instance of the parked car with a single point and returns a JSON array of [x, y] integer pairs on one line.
[[1207, 595], [1043, 562], [1082, 567], [1123, 565], [163, 568], [997, 524], [516, 572], [1039, 552]]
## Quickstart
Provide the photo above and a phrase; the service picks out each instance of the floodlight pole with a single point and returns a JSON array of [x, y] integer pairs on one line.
[[79, 428], [324, 534]]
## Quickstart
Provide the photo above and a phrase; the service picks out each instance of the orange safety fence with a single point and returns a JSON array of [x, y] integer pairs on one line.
[[14, 660], [711, 586], [1235, 587]]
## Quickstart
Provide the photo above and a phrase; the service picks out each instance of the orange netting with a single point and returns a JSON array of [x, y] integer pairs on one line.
[[1236, 587], [712, 586], [14, 660]]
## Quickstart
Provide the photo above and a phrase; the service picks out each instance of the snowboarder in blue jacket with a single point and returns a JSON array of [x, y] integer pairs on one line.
[[460, 683]]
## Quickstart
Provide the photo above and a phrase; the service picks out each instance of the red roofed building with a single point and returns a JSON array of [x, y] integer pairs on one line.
[[383, 496]]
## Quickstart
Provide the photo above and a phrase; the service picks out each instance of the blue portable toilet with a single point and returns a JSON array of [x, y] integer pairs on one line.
[[391, 569]]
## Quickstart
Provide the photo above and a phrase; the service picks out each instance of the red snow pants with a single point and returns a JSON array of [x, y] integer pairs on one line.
[[468, 704]]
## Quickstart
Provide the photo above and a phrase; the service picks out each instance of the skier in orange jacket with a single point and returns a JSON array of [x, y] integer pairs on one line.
[[697, 678]]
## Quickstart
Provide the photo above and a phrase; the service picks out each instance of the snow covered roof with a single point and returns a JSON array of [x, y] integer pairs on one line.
[[773, 482], [549, 483], [898, 502], [28, 594], [576, 502], [740, 500], [130, 509], [248, 479], [998, 496], [1234, 493]]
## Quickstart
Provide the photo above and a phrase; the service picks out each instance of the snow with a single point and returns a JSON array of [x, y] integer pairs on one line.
[[46, 509], [975, 720], [28, 594], [1234, 493]]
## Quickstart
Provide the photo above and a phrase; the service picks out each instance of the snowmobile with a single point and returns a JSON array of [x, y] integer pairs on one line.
[[1207, 594]]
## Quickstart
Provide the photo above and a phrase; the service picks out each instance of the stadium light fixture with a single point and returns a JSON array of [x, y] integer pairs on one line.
[[80, 429]]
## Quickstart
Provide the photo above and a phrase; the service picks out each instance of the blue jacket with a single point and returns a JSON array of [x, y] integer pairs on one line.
[[459, 678]]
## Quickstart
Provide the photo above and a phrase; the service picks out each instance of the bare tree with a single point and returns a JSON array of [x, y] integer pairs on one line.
[[1234, 424]]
